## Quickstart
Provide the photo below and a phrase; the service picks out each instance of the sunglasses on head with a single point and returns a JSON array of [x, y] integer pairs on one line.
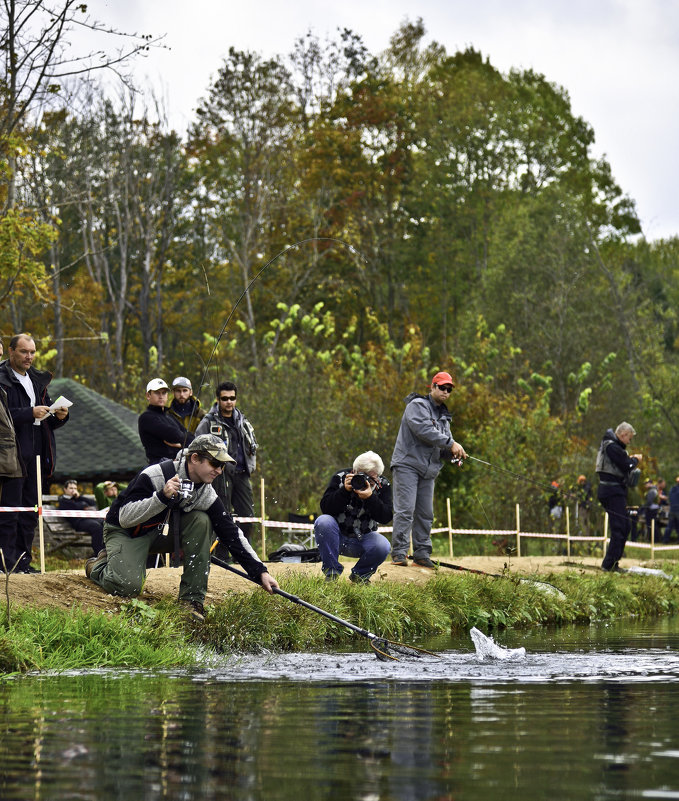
[[227, 397]]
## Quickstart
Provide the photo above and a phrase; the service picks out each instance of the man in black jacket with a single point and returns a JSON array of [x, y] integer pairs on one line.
[[72, 500], [34, 423], [160, 433], [613, 466], [355, 502]]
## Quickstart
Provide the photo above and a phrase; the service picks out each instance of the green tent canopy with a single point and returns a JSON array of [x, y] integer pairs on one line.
[[101, 439]]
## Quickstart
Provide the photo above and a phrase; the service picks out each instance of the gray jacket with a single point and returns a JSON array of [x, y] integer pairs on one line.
[[213, 423], [424, 432]]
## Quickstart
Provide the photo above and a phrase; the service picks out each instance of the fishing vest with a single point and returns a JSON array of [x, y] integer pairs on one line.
[[604, 463]]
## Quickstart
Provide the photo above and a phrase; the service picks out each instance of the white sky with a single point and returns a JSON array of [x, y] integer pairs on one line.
[[618, 60]]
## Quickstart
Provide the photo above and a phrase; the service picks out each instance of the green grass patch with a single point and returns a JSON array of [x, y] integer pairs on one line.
[[163, 636]]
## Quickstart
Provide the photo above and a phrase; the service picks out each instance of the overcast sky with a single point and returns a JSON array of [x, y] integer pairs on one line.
[[618, 60]]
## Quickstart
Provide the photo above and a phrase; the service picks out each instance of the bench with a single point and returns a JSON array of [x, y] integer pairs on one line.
[[60, 535]]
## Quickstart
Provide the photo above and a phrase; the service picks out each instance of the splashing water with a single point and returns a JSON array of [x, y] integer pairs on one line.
[[487, 648]]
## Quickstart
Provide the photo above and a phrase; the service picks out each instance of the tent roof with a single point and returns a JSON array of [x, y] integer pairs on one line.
[[101, 439]]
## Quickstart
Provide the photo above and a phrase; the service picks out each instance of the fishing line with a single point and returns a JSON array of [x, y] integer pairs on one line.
[[520, 477], [256, 278]]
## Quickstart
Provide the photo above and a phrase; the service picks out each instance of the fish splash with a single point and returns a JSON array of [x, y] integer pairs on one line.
[[487, 648]]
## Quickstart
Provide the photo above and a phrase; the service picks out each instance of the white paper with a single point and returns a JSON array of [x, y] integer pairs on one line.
[[60, 402]]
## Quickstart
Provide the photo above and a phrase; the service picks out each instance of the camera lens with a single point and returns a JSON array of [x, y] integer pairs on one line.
[[359, 481]]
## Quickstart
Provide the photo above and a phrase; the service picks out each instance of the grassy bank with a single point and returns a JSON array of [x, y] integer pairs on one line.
[[162, 636]]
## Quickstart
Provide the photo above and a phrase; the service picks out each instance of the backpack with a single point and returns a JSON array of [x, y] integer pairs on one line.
[[292, 552]]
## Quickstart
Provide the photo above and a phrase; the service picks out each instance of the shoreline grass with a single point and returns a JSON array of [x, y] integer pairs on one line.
[[141, 636]]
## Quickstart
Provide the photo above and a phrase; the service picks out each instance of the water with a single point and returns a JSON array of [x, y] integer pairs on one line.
[[588, 713]]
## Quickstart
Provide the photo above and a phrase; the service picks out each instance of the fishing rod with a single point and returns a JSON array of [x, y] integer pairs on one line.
[[520, 477], [299, 243], [380, 645], [545, 586]]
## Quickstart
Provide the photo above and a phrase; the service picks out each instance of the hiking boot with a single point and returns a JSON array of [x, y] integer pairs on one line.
[[94, 560], [359, 579], [28, 569], [424, 561], [332, 576], [195, 609], [401, 561]]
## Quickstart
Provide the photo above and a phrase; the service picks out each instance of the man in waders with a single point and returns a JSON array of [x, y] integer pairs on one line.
[[616, 470]]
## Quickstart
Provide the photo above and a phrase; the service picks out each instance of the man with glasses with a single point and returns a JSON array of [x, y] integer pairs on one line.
[[423, 443], [228, 423], [139, 517]]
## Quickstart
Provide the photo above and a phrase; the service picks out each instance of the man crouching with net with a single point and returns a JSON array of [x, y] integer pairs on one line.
[[140, 520]]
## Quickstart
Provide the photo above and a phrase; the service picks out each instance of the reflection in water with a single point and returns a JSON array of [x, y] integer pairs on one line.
[[331, 727]]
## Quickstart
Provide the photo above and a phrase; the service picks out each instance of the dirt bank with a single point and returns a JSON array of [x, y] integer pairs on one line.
[[63, 590]]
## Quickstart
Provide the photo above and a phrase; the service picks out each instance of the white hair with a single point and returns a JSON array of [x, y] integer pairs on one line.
[[624, 428], [368, 462]]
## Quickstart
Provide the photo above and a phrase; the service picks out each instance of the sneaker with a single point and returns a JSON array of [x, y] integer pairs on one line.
[[424, 561], [401, 561], [331, 576], [195, 609], [359, 579], [28, 569], [93, 560]]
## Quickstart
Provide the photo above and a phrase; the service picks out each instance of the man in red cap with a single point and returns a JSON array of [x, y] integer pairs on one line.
[[423, 443]]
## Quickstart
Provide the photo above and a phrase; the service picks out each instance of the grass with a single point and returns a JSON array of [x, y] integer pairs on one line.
[[162, 637]]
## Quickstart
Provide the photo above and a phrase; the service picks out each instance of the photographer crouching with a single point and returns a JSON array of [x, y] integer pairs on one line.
[[356, 501]]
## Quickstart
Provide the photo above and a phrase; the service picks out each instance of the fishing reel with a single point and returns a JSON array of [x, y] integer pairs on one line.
[[447, 456]]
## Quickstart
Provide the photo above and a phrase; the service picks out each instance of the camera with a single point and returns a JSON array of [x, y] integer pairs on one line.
[[359, 481], [185, 489]]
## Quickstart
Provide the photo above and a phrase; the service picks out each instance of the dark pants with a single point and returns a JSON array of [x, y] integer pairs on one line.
[[95, 528], [614, 502], [17, 528], [672, 525], [236, 491]]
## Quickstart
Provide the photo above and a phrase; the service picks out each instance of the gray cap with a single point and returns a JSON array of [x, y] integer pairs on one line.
[[180, 381], [212, 446]]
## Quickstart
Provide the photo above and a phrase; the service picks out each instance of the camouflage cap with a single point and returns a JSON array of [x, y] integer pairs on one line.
[[212, 446]]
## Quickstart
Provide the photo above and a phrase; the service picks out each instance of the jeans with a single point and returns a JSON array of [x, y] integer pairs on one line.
[[371, 550]]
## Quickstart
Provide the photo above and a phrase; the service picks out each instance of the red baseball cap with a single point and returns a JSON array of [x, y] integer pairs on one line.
[[442, 378]]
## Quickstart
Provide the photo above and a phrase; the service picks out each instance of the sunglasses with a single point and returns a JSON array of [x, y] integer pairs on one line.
[[227, 398], [445, 387], [214, 463]]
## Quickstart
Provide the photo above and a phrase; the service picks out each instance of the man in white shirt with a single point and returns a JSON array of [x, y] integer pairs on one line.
[[34, 423]]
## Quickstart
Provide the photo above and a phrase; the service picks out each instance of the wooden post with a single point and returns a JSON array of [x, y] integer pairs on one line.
[[450, 528], [41, 531], [568, 531], [518, 530], [263, 513]]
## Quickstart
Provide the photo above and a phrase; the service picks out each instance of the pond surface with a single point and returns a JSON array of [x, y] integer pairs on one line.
[[587, 713]]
